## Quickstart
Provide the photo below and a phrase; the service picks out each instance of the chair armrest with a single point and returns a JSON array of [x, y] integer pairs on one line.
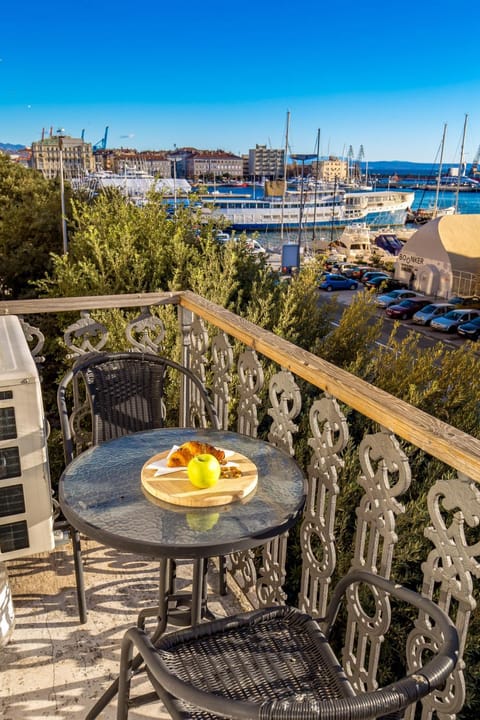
[[436, 670]]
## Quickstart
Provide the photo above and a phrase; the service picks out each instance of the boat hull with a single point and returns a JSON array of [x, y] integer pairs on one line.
[[377, 209]]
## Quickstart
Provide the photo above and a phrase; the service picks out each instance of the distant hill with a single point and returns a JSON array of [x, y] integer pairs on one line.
[[10, 148]]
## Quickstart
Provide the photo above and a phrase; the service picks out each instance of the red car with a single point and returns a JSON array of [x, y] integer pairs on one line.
[[407, 308]]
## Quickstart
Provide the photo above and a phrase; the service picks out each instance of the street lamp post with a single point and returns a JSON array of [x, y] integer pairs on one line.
[[61, 138]]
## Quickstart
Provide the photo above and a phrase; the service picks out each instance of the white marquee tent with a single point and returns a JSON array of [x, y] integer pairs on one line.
[[443, 257]]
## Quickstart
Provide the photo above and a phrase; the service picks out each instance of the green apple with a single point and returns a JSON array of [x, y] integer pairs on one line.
[[203, 470]]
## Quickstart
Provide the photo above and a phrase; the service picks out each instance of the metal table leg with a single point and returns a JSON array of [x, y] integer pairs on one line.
[[121, 685], [131, 665]]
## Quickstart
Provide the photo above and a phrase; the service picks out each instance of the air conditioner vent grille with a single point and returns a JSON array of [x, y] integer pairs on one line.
[[9, 463], [14, 536], [12, 500], [8, 426]]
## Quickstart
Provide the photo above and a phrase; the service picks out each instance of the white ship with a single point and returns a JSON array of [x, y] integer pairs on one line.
[[323, 208], [135, 184]]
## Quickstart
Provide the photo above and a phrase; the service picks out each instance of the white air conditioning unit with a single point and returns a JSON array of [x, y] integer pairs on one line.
[[26, 520]]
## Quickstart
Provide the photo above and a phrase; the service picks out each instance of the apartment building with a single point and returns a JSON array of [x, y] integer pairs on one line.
[[266, 162], [208, 164], [75, 154], [124, 160], [333, 169]]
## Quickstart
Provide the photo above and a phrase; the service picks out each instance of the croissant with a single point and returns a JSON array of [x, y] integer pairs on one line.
[[182, 456]]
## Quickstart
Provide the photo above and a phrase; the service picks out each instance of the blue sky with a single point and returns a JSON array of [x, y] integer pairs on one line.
[[214, 74]]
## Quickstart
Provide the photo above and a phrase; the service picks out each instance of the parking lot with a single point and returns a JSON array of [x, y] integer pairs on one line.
[[428, 336]]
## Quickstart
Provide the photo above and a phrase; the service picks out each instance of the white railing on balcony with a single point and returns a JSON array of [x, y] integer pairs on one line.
[[262, 383]]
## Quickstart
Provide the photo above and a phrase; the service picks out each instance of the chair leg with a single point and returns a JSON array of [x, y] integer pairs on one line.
[[79, 577], [124, 678]]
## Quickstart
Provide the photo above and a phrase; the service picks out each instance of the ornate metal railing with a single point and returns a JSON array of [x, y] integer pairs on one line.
[[263, 384]]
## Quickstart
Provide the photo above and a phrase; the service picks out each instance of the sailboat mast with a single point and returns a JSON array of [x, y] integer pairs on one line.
[[439, 176], [316, 187], [461, 163], [284, 191]]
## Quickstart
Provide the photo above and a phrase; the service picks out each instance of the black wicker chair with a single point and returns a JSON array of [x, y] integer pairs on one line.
[[277, 663], [126, 393]]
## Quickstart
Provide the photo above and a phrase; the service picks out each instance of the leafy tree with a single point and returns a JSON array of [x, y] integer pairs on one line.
[[350, 344], [30, 228]]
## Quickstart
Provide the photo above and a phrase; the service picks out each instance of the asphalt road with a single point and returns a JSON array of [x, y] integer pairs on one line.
[[428, 337]]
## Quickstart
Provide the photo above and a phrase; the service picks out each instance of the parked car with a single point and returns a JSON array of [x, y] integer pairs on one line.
[[467, 302], [255, 247], [346, 268], [358, 271], [394, 297], [470, 330], [431, 311], [250, 243], [374, 273], [406, 308], [335, 281], [385, 284], [451, 320]]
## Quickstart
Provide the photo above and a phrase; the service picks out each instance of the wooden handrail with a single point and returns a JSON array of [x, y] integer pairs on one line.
[[87, 302]]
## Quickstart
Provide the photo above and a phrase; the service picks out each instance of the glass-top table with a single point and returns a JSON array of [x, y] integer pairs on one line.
[[101, 495]]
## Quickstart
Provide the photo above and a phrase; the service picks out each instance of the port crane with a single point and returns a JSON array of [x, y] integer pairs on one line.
[[101, 144], [355, 165]]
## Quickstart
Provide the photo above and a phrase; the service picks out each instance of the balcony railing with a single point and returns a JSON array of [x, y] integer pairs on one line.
[[363, 504]]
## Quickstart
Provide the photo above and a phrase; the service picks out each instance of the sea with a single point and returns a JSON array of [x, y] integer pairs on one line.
[[468, 204]]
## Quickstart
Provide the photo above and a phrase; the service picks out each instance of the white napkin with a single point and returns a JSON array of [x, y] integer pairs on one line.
[[161, 467]]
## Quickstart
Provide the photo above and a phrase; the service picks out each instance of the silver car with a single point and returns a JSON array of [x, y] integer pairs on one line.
[[395, 296], [451, 320], [430, 312]]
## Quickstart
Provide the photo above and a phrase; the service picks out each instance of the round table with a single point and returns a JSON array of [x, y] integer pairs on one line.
[[101, 495]]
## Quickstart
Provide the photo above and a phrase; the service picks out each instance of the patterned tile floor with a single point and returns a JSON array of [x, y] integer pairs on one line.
[[53, 667]]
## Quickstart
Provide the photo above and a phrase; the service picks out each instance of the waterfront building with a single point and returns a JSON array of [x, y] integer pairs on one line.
[[245, 161], [157, 163], [209, 164], [333, 169], [75, 154], [124, 160], [266, 162]]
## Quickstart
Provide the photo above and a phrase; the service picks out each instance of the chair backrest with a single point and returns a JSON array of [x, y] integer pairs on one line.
[[127, 393]]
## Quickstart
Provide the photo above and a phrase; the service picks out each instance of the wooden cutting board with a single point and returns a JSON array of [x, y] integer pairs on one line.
[[176, 488]]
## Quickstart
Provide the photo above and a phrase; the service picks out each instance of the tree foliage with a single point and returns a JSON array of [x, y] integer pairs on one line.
[[30, 228], [117, 247]]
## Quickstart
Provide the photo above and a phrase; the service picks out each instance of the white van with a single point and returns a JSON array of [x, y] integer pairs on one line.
[[255, 247]]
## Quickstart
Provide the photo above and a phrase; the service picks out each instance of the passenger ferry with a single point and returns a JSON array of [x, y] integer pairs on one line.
[[323, 208]]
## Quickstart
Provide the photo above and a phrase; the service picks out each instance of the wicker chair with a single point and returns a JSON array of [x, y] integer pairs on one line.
[[277, 663], [126, 394]]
